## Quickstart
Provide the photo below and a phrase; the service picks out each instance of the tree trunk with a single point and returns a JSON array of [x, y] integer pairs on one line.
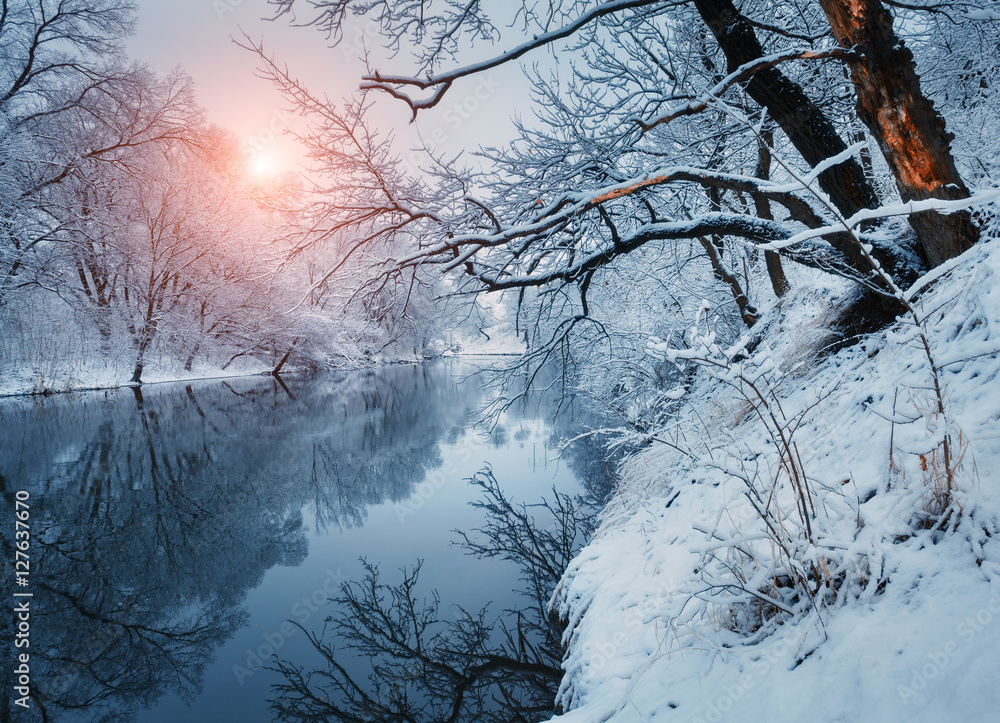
[[807, 127], [137, 372], [277, 369], [145, 339], [190, 358], [909, 130], [747, 312], [812, 134], [775, 272]]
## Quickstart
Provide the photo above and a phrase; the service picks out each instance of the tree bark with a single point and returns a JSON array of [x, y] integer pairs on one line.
[[807, 127], [909, 130], [190, 358], [775, 272], [747, 312], [812, 134], [277, 369]]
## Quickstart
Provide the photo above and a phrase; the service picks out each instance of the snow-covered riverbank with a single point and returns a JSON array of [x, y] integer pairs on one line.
[[95, 375], [29, 383], [681, 607]]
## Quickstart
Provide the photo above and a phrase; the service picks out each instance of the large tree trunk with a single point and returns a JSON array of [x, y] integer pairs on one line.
[[137, 372], [909, 130], [808, 129], [145, 340]]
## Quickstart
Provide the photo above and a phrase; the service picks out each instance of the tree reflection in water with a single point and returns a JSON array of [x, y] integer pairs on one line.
[[153, 514], [425, 667]]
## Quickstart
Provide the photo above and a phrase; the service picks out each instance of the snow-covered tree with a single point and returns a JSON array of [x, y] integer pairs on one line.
[[679, 151]]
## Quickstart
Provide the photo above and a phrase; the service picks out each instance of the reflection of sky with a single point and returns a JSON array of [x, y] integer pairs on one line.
[[393, 535]]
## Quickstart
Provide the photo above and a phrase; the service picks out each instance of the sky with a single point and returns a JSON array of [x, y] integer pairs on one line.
[[197, 35]]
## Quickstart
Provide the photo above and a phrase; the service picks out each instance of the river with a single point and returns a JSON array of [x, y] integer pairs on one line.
[[176, 532]]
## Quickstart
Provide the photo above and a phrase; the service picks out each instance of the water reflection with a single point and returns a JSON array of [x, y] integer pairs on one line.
[[160, 519], [388, 651], [153, 515]]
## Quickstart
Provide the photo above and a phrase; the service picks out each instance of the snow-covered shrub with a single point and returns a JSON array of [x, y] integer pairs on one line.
[[766, 557]]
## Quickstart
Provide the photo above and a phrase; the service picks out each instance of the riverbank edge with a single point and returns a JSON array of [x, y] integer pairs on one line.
[[46, 392]]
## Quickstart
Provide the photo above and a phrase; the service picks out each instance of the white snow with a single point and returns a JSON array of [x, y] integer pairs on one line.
[[660, 631], [97, 373]]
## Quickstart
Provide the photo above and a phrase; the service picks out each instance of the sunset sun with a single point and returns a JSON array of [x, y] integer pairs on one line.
[[263, 165]]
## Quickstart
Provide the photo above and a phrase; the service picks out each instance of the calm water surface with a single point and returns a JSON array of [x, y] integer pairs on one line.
[[174, 532]]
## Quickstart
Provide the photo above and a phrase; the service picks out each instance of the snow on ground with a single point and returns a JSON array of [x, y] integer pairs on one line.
[[498, 343], [89, 374], [660, 628]]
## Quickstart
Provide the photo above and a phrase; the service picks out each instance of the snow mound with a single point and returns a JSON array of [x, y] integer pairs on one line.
[[681, 609]]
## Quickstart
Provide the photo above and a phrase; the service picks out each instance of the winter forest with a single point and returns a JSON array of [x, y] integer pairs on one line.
[[755, 240], [701, 151]]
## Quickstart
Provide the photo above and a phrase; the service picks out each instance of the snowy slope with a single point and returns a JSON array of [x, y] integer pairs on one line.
[[660, 625]]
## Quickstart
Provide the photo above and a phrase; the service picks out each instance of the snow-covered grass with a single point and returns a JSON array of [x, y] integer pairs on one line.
[[46, 350], [691, 605], [47, 360]]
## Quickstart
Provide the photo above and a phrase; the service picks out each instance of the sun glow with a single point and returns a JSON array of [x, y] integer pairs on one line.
[[263, 166]]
